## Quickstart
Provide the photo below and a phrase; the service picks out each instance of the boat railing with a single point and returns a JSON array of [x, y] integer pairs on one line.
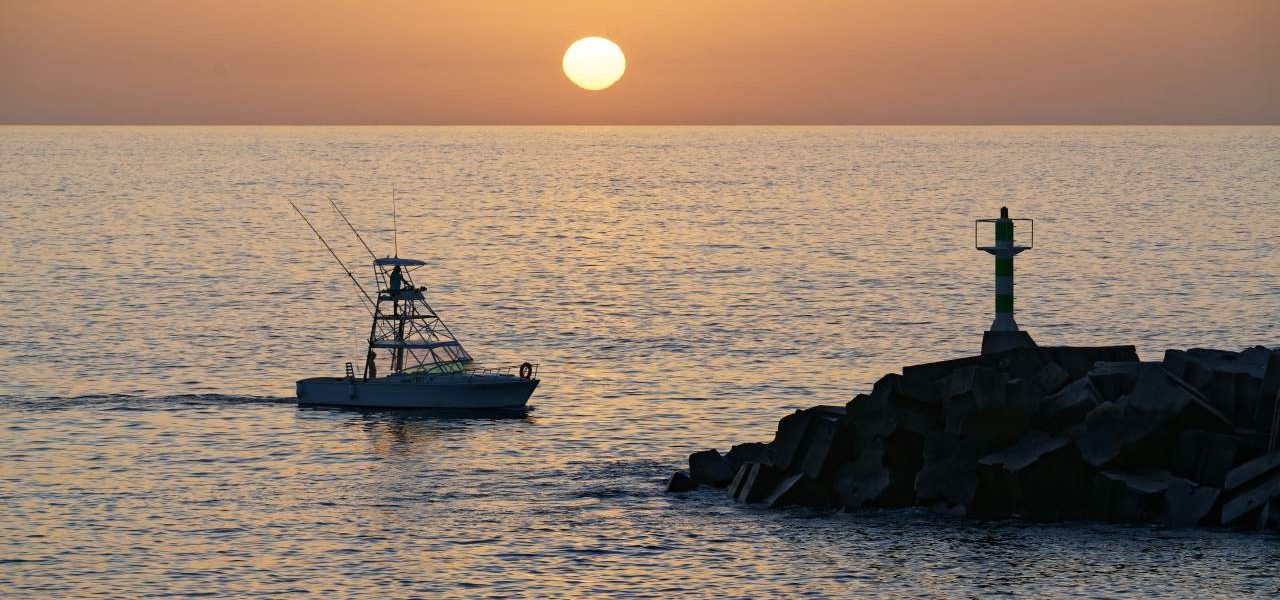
[[469, 373]]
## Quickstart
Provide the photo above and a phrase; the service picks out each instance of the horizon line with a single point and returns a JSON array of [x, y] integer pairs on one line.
[[656, 124]]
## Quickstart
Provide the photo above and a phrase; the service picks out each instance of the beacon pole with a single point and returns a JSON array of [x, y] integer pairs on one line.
[[1004, 333]]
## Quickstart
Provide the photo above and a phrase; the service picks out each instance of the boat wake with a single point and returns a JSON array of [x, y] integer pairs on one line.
[[132, 401]]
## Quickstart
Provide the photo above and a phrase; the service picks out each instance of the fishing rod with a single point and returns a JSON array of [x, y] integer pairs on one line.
[[370, 301], [353, 228]]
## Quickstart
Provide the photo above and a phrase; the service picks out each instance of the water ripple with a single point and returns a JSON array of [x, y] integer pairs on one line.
[[683, 288]]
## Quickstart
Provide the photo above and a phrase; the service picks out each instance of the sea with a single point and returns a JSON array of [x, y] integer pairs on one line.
[[680, 288]]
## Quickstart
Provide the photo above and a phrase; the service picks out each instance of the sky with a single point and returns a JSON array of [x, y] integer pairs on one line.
[[688, 62]]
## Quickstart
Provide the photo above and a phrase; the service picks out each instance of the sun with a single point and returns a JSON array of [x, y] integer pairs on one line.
[[594, 63]]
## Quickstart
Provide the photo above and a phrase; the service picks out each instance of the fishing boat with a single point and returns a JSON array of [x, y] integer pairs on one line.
[[426, 366]]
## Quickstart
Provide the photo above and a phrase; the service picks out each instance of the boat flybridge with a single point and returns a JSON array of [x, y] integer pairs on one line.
[[426, 366]]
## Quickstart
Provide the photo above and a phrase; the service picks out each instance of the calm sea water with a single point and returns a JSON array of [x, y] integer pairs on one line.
[[682, 288]]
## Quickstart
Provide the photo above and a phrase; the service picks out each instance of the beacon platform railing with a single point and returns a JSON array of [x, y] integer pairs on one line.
[[1020, 225]]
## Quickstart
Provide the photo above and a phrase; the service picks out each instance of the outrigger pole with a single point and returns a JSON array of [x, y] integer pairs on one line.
[[371, 304], [353, 228]]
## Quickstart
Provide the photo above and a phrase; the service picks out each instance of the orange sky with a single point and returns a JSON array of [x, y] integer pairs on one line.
[[688, 61]]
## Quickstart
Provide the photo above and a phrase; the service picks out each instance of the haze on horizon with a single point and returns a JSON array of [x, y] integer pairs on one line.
[[704, 62]]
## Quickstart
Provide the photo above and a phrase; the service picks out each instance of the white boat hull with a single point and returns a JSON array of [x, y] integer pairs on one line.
[[456, 391]]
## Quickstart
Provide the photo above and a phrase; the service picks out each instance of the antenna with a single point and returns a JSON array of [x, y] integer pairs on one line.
[[395, 230], [353, 228], [335, 257]]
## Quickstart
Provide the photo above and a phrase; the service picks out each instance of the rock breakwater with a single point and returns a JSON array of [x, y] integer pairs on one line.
[[1045, 433]]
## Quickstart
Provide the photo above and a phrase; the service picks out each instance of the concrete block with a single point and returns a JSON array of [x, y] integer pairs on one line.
[[788, 442], [1020, 362], [799, 490], [1029, 449], [877, 404], [1198, 371], [1150, 496], [1252, 469], [1120, 497], [1163, 396], [937, 370], [1139, 430], [681, 482], [948, 474], [1204, 457], [977, 386], [861, 484], [917, 404], [1186, 504], [754, 482], [1226, 390], [971, 391], [1113, 380], [1027, 362], [1051, 378], [903, 453], [1022, 396], [920, 389], [987, 406], [749, 452], [809, 436], [1187, 367], [871, 415], [1240, 385], [709, 468], [830, 441], [1123, 438], [1038, 478], [1067, 407], [829, 410], [1256, 412], [864, 412], [1249, 486], [1239, 507], [1077, 360], [883, 475], [1255, 362], [739, 478]]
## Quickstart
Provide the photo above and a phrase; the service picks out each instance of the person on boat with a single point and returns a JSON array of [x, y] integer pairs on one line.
[[371, 366], [397, 280]]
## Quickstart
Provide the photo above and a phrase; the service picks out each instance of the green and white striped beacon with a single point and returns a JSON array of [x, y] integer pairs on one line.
[[1004, 250]]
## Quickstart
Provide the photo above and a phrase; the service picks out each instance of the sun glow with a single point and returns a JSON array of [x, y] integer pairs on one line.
[[594, 63]]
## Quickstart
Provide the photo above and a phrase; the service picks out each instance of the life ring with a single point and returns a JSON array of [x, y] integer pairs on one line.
[[526, 371]]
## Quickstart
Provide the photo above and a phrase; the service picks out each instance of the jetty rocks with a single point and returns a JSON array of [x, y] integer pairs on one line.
[[1043, 433]]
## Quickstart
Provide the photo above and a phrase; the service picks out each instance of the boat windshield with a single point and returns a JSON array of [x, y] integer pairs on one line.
[[455, 366]]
